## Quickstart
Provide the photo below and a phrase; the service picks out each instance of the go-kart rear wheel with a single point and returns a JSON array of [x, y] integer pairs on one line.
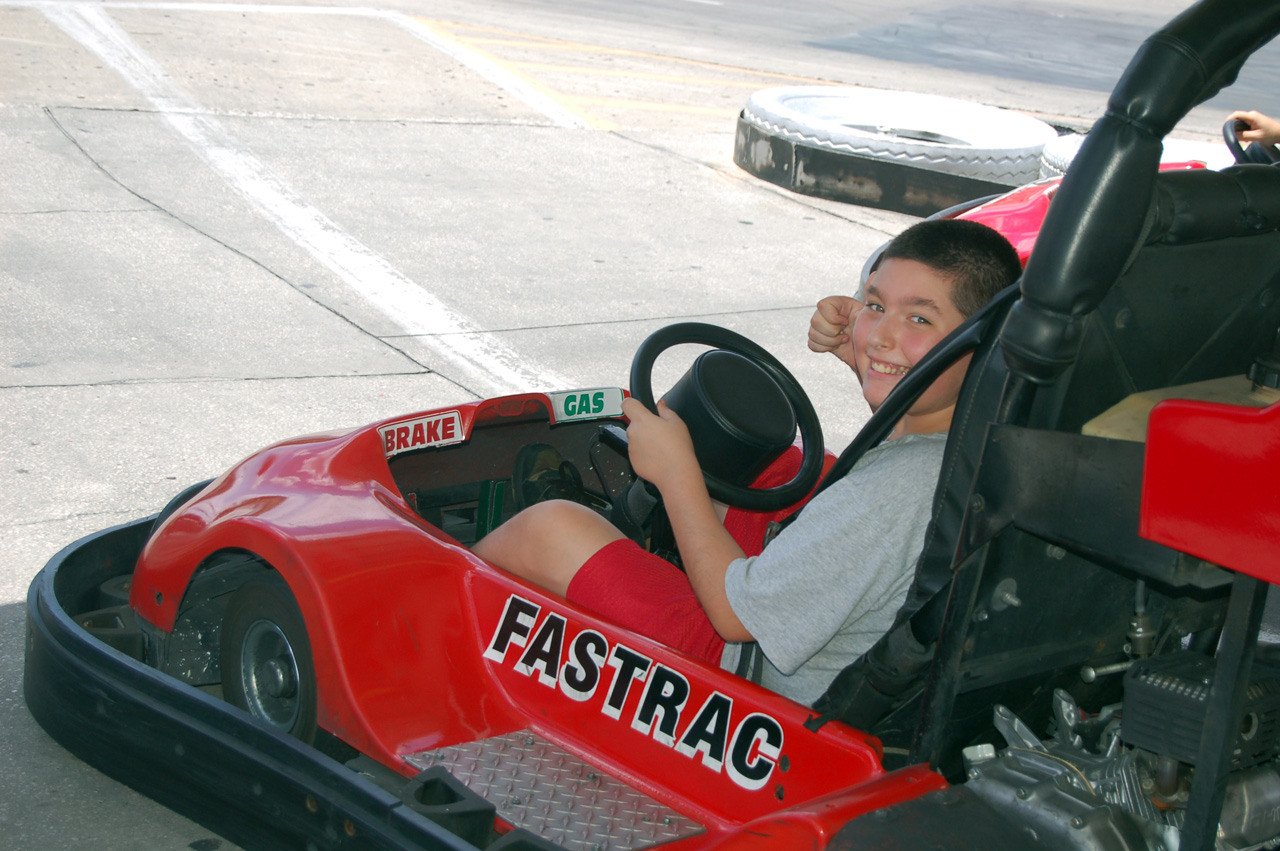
[[266, 658]]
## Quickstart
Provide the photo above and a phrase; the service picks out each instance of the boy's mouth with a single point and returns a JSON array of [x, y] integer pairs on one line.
[[887, 368]]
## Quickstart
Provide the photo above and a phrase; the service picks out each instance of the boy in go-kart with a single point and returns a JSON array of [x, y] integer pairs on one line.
[[832, 582]]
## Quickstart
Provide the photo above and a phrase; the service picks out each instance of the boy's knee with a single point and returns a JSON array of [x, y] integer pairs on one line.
[[552, 519], [548, 542], [568, 528]]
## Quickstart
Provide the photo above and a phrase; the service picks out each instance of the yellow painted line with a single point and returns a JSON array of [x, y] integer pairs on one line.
[[593, 121], [577, 104], [649, 106], [517, 39], [574, 47], [547, 44], [480, 28], [613, 72]]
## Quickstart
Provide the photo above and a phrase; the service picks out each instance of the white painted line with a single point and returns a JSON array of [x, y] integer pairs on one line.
[[163, 6], [486, 364], [486, 68]]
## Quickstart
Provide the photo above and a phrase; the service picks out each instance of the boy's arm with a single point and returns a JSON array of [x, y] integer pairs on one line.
[[830, 329], [662, 453]]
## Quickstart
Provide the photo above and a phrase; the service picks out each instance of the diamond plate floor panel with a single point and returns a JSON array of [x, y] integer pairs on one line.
[[539, 786]]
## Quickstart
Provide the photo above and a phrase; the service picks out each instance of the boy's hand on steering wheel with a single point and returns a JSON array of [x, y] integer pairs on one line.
[[661, 449]]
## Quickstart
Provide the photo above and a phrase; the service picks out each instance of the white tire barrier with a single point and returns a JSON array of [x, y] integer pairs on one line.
[[925, 131], [1058, 154]]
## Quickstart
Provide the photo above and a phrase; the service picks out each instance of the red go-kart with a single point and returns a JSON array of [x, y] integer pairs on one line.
[[305, 652]]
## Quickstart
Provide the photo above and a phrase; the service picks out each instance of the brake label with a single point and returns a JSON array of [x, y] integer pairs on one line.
[[434, 430]]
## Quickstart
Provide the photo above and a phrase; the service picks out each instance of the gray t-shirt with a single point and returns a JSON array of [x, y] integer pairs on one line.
[[830, 585]]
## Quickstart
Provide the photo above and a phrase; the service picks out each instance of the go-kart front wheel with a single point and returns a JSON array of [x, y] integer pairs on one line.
[[265, 656]]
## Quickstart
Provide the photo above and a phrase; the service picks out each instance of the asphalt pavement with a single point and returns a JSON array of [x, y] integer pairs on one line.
[[227, 224]]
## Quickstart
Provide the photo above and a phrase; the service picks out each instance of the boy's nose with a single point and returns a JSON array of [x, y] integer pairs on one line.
[[881, 336]]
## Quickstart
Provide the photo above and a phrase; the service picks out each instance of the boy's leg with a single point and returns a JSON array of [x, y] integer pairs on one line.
[[548, 542], [646, 594], [569, 549]]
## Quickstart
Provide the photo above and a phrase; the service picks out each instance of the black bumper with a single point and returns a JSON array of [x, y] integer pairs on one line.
[[194, 754]]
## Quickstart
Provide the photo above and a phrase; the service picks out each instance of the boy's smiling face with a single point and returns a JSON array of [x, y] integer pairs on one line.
[[908, 309]]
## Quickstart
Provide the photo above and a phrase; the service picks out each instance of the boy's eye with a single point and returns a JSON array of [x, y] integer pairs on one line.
[[920, 320], [875, 307]]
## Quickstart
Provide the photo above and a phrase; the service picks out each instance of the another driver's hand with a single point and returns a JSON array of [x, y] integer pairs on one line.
[[831, 328], [660, 447], [1263, 129]]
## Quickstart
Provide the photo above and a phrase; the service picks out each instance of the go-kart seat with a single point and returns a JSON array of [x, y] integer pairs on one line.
[[1199, 300]]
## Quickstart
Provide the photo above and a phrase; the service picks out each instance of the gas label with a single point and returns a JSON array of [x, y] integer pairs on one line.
[[587, 404]]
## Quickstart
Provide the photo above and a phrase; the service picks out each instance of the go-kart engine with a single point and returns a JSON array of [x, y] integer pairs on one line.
[[1164, 708], [1113, 793]]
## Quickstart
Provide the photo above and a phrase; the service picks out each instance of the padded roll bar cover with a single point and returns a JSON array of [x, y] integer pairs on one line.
[[1199, 205], [1099, 216]]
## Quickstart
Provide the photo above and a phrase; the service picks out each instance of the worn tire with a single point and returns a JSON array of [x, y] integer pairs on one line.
[[925, 131], [1058, 154], [265, 656]]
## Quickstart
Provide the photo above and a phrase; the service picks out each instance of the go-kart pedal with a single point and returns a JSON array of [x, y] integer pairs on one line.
[[542, 473]]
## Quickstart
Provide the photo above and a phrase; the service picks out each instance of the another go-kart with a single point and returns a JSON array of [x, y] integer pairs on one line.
[[305, 652]]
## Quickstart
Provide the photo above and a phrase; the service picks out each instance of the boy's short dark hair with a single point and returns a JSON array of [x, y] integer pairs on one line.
[[977, 258]]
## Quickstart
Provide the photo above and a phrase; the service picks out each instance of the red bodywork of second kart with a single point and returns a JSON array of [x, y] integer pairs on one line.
[[1019, 214]]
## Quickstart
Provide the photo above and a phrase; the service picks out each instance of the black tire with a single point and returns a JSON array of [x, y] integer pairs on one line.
[[266, 661]]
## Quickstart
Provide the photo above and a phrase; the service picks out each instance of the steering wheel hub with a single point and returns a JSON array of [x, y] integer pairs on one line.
[[742, 407], [739, 418]]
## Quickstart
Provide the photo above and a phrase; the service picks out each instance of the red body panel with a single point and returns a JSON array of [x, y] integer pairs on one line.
[[419, 644], [1209, 484], [1019, 214], [382, 593]]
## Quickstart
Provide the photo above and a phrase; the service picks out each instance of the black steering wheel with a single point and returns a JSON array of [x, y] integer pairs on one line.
[[1255, 153], [739, 496]]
